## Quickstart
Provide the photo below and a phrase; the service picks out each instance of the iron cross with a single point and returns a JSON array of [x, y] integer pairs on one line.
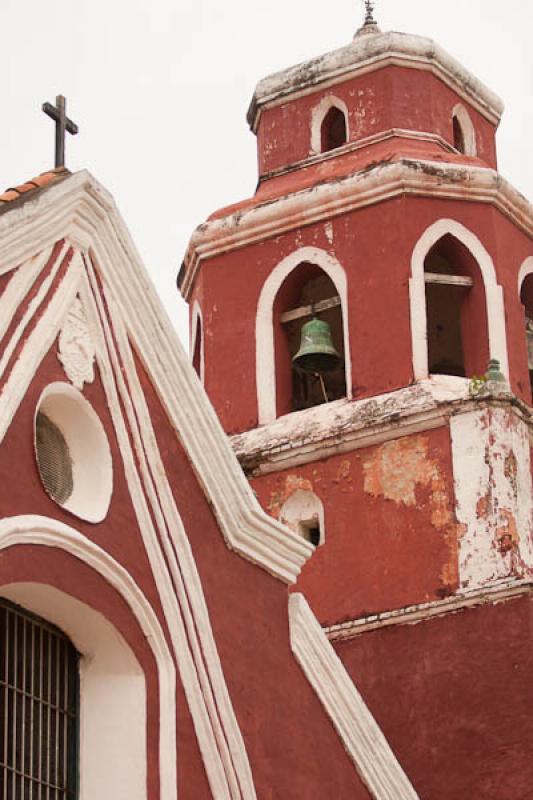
[[369, 6], [63, 125]]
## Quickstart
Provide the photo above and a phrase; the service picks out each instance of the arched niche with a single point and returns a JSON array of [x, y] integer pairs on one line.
[[197, 342], [464, 133], [525, 290], [113, 731], [482, 314], [303, 513], [279, 321], [329, 125]]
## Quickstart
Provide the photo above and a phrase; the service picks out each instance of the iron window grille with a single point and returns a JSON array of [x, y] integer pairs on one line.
[[39, 709]]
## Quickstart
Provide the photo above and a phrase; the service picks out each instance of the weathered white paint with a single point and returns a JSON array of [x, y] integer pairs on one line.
[[197, 329], [360, 734], [112, 759], [492, 479], [76, 349], [101, 642], [417, 294], [304, 510], [318, 115], [265, 362], [18, 287], [92, 466], [467, 128], [367, 54], [525, 270], [327, 200]]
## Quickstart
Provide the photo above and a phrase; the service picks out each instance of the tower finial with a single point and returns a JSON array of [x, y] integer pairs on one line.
[[369, 16]]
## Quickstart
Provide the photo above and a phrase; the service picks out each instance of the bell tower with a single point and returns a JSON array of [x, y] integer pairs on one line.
[[380, 213]]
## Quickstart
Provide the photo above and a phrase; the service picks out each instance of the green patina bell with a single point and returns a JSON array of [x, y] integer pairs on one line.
[[317, 353]]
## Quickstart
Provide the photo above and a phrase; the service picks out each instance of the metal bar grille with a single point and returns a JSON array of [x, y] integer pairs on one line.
[[39, 690]]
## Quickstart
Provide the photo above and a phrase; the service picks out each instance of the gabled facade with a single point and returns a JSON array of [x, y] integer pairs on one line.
[[380, 211], [147, 647]]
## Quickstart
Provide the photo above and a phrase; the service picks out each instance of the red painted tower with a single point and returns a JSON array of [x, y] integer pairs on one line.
[[380, 211]]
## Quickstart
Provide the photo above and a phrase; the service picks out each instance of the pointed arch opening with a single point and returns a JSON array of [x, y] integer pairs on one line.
[[303, 512], [457, 331], [526, 298], [334, 132], [308, 283], [197, 342], [463, 131]]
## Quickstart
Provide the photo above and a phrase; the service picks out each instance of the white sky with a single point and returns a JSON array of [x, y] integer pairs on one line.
[[160, 89]]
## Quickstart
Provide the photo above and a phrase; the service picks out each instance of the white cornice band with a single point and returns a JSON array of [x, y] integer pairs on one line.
[[366, 54], [383, 182], [362, 737]]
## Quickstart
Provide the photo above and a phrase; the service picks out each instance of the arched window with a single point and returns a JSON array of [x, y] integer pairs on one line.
[[197, 342], [464, 134], [526, 298], [334, 132], [39, 711], [303, 512], [457, 331], [306, 293]]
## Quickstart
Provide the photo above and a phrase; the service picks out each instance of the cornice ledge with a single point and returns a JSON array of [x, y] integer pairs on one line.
[[359, 732], [347, 425], [377, 183]]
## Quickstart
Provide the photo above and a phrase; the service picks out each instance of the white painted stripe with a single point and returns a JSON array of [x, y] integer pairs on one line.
[[18, 287], [185, 573], [32, 309], [361, 735]]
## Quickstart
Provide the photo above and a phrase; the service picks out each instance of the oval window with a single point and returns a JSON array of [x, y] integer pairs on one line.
[[72, 452]]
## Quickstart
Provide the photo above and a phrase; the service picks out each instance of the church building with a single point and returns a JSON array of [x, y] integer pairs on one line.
[[297, 563]]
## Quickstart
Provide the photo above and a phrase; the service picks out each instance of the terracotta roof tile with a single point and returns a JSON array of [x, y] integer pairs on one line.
[[32, 186]]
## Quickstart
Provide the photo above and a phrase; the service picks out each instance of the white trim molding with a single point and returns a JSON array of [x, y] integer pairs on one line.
[[265, 362], [368, 54], [417, 294], [525, 270], [261, 220], [46, 532], [359, 732], [467, 128], [318, 115]]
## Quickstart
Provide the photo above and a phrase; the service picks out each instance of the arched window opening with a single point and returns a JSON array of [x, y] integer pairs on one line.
[[526, 298], [458, 136], [307, 294], [39, 712], [457, 330], [197, 352], [303, 512], [334, 130]]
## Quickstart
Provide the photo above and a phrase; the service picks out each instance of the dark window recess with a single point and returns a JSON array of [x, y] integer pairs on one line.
[[313, 536], [197, 355], [526, 297], [458, 136], [53, 459], [39, 708], [445, 343], [334, 133]]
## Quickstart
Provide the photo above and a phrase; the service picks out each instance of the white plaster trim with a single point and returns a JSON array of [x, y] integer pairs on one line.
[[318, 116], [184, 573], [367, 54], [525, 270], [197, 328], [313, 204], [412, 615], [417, 294], [265, 363], [18, 287], [45, 532], [362, 737], [467, 127], [80, 209]]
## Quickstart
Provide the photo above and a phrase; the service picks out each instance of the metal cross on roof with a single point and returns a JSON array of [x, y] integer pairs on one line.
[[63, 125], [369, 18]]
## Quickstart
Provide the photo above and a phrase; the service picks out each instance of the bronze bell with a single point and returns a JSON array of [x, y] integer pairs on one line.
[[317, 353]]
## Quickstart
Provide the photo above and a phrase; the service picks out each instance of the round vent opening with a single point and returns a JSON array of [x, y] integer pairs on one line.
[[72, 452]]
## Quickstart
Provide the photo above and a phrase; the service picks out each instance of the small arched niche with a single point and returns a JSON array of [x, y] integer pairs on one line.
[[464, 134], [303, 512], [457, 329], [197, 342], [72, 453], [334, 130], [307, 293], [526, 298]]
